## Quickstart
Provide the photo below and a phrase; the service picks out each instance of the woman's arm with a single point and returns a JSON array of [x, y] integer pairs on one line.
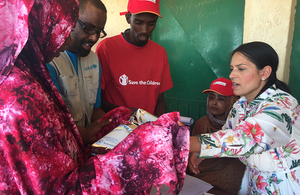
[[268, 128]]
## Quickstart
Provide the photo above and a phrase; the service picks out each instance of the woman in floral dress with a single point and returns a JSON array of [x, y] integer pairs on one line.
[[262, 128]]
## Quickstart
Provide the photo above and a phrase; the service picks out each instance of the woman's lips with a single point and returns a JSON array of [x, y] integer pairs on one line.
[[235, 85], [213, 108]]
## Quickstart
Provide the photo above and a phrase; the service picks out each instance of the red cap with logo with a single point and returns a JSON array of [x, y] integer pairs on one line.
[[221, 86], [143, 6]]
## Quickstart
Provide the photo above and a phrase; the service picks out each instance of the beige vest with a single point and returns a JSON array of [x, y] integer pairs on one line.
[[79, 92]]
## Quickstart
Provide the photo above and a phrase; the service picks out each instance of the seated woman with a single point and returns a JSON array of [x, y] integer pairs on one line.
[[41, 151], [262, 128], [224, 173]]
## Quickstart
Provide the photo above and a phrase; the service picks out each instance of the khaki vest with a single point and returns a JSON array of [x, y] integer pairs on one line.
[[79, 92]]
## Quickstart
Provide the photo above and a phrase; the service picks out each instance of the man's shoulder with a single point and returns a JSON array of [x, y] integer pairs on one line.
[[203, 118], [111, 39], [109, 42], [61, 59], [152, 44]]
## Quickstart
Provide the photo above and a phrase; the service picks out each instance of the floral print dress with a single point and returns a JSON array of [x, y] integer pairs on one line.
[[265, 135]]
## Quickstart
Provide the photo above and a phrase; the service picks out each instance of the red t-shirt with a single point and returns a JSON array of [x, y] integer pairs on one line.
[[133, 76]]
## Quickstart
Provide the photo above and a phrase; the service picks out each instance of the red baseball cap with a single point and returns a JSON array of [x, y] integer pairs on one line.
[[142, 6], [221, 86]]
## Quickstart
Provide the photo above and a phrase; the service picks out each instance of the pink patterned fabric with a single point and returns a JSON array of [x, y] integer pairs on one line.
[[154, 153], [118, 116], [41, 151], [16, 34]]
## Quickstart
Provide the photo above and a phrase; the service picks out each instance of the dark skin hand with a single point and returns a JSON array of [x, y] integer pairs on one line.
[[98, 113], [194, 161], [89, 134], [106, 106], [132, 110]]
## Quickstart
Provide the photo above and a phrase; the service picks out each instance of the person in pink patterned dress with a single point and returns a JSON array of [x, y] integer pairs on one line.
[[263, 127], [41, 151]]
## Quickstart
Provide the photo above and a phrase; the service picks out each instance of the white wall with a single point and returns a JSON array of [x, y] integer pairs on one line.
[[272, 21], [115, 23]]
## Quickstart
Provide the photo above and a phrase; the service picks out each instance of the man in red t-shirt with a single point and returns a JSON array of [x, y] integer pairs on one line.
[[135, 70]]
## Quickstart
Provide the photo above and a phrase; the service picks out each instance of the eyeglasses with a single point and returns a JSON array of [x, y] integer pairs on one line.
[[90, 31]]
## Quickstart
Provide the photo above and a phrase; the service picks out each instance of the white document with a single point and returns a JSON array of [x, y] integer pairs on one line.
[[191, 186]]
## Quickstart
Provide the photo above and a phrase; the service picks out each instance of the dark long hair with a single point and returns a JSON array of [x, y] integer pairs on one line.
[[261, 54]]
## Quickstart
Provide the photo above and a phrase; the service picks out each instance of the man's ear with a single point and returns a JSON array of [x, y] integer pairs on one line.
[[266, 72], [128, 17]]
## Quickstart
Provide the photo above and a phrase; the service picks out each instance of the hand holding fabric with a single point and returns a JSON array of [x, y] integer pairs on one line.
[[89, 134]]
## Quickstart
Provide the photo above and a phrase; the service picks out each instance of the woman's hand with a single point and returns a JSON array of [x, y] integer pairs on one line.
[[194, 163], [179, 123]]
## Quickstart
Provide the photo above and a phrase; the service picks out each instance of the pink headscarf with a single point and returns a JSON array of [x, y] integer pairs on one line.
[[37, 28], [14, 32]]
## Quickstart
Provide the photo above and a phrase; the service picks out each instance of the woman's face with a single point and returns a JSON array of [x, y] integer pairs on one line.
[[61, 49], [246, 78], [216, 105]]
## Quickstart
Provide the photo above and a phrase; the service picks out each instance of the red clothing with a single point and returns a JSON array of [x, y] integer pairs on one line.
[[133, 76]]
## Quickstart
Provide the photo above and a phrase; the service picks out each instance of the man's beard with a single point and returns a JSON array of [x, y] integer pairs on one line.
[[79, 50]]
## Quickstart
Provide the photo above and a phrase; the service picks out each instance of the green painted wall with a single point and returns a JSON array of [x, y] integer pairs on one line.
[[295, 58], [198, 37]]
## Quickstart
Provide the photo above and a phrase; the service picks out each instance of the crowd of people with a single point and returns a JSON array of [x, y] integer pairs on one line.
[[57, 96]]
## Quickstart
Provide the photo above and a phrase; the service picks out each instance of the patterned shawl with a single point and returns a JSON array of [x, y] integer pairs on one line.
[[208, 123]]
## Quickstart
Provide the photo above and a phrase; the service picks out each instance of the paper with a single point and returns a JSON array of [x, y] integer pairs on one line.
[[119, 133], [114, 137], [186, 120], [191, 186], [141, 116]]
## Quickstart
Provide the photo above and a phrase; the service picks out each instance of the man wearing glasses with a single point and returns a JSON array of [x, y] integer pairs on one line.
[[135, 70], [77, 72]]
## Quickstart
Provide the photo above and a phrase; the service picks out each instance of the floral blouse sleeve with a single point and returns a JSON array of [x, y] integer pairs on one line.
[[264, 124]]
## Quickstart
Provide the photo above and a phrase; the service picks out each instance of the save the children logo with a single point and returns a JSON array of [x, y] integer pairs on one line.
[[124, 80]]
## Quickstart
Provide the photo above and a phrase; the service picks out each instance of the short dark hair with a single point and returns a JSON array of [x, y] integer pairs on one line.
[[97, 3]]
